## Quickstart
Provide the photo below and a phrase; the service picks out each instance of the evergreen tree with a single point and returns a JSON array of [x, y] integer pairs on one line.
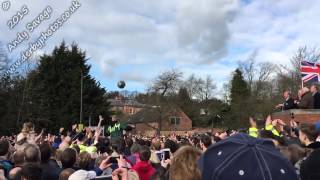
[[240, 106], [54, 89]]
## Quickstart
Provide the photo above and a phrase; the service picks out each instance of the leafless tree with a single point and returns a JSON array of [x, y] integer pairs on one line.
[[166, 82], [248, 68], [206, 91]]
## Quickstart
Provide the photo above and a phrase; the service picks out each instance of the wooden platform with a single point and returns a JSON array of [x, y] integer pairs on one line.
[[299, 115]]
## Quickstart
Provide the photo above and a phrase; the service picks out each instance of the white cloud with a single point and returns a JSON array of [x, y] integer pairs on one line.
[[203, 28], [276, 28], [197, 36]]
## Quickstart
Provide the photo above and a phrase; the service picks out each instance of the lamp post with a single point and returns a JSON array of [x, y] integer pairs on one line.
[[81, 90]]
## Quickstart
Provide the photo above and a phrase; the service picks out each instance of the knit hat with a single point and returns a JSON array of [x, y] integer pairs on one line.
[[243, 157], [83, 175]]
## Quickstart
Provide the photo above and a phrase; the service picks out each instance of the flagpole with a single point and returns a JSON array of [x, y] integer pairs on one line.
[[301, 76]]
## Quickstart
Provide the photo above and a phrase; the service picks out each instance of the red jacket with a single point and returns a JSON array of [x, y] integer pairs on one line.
[[144, 170]]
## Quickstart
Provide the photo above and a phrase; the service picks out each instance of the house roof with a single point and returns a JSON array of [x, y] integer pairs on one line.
[[125, 102], [144, 116], [149, 115]]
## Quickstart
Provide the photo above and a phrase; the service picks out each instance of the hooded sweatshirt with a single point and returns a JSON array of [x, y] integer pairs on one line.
[[144, 170]]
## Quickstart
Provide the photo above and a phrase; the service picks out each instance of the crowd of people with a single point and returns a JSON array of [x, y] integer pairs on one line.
[[271, 151], [306, 99]]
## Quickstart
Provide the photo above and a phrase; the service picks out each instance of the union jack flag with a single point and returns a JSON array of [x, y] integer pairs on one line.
[[310, 72]]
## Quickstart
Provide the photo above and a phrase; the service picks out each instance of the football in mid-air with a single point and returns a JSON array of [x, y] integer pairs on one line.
[[121, 84]]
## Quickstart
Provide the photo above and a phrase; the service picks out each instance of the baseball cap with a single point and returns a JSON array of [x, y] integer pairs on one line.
[[82, 175], [243, 157]]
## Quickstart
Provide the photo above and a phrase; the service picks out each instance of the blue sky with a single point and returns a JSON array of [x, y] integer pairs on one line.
[[134, 40]]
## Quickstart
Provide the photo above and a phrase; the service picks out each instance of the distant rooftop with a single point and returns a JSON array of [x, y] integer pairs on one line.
[[120, 102]]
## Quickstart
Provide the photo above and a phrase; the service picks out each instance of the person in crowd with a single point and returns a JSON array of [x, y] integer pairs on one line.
[[135, 156], [31, 171], [85, 162], [128, 145], [288, 103], [5, 162], [316, 96], [306, 101], [50, 168], [205, 142], [115, 130], [144, 167], [310, 168], [293, 153], [243, 157], [82, 175], [66, 173], [183, 165], [32, 154], [123, 172], [308, 135], [296, 143], [274, 125], [68, 158], [66, 142], [253, 130], [155, 147], [172, 145]]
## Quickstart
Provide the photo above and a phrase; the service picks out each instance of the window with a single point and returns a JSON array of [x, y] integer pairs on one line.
[[175, 120], [131, 111]]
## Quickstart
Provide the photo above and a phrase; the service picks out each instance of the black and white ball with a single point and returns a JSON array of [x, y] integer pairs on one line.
[[121, 84]]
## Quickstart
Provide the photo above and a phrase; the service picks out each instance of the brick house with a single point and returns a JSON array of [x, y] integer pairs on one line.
[[173, 120], [125, 106], [146, 117]]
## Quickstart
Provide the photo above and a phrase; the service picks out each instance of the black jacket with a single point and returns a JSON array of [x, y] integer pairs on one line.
[[289, 104], [316, 100]]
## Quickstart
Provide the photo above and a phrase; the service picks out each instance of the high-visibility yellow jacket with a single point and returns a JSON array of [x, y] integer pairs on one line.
[[253, 132], [272, 129]]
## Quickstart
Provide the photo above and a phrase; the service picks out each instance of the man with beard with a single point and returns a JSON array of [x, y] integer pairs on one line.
[[115, 130]]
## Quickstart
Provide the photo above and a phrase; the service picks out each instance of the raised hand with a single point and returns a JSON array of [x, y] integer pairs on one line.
[[105, 164]]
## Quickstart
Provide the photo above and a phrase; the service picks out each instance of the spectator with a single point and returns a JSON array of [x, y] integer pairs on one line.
[[243, 157], [205, 142], [316, 96], [253, 131], [144, 167], [4, 156], [306, 99], [50, 169], [18, 158], [128, 145], [66, 142], [293, 153], [308, 135], [68, 158], [155, 146], [134, 157], [64, 175], [85, 161], [32, 154], [288, 103], [173, 146], [31, 171], [310, 168], [184, 164], [82, 175], [273, 125]]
